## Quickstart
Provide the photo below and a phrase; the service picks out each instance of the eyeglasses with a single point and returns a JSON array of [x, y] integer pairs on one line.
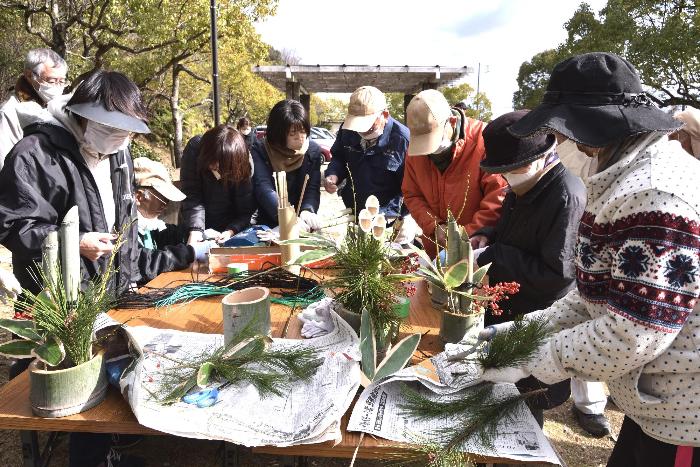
[[148, 192], [59, 81]]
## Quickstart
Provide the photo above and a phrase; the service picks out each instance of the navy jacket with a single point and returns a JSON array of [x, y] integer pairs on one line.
[[264, 185], [376, 171]]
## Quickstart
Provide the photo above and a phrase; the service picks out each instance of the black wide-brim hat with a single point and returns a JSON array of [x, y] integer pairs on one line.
[[595, 99], [505, 152]]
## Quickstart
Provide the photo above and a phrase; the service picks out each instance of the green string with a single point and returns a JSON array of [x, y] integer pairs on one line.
[[191, 292]]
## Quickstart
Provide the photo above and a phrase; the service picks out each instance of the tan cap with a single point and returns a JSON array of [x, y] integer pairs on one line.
[[426, 116], [154, 174], [691, 118], [366, 103]]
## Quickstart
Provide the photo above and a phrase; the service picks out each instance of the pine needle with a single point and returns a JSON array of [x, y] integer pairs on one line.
[[518, 345]]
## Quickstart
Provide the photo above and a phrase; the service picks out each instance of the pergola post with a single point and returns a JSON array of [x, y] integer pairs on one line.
[[428, 85], [305, 100], [293, 88], [406, 100]]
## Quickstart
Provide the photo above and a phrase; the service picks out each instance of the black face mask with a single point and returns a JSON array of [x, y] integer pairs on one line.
[[443, 159]]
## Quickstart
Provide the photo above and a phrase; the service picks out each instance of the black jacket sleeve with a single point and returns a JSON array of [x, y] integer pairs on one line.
[[553, 268], [312, 195], [165, 259], [26, 213], [193, 214], [263, 185], [244, 205]]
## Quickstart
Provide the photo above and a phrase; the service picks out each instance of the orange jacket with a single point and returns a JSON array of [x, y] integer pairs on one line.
[[429, 193]]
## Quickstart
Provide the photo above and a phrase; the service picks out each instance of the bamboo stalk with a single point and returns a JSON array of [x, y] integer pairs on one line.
[[303, 191], [338, 221], [69, 241], [49, 262]]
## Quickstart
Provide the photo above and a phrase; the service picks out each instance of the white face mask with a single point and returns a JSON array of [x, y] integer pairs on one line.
[[246, 131], [104, 139], [515, 180], [49, 91], [216, 174], [575, 161], [373, 135], [446, 141]]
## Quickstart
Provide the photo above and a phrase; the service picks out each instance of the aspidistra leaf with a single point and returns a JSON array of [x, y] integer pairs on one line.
[[204, 373], [398, 357], [312, 256], [24, 328], [368, 347], [50, 352], [457, 274], [17, 348]]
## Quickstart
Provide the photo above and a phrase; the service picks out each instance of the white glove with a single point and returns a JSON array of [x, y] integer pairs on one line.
[[201, 249], [317, 319], [407, 232], [478, 252], [211, 234], [194, 237], [488, 332], [312, 220], [272, 235], [9, 286], [505, 375]]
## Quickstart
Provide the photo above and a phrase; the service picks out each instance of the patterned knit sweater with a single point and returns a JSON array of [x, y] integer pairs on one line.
[[630, 322]]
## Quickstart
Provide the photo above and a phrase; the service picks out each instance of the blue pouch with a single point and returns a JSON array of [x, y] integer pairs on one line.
[[246, 237]]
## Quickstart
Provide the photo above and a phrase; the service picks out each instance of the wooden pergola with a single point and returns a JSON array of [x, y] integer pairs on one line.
[[300, 81]]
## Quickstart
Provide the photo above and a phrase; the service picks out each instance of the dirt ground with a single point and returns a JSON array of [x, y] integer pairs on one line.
[[575, 447]]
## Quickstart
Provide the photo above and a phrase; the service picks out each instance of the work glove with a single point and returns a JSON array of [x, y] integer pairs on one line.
[[311, 220], [211, 234], [195, 236], [269, 235], [317, 319], [201, 249], [508, 374], [9, 286], [407, 231]]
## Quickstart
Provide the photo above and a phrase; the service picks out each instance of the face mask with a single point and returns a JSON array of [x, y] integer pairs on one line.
[[299, 148], [246, 132], [575, 161], [445, 143], [104, 139], [49, 91], [515, 180], [216, 174], [373, 135]]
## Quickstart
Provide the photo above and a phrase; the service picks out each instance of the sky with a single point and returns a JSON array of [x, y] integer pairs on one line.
[[499, 34]]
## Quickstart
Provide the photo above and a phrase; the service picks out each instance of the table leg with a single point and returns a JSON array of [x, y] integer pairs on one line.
[[294, 461], [232, 455], [30, 449]]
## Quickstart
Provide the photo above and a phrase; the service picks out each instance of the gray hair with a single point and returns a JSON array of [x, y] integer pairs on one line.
[[37, 57]]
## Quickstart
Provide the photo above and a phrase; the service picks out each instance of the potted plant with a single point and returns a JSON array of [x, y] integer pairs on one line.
[[68, 373], [467, 298], [368, 276]]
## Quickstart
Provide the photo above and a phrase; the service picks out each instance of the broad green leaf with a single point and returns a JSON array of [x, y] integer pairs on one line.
[[320, 238], [246, 346], [24, 328], [204, 373], [300, 241], [17, 349], [368, 346], [312, 256], [398, 357], [457, 274], [424, 256], [480, 273], [50, 352]]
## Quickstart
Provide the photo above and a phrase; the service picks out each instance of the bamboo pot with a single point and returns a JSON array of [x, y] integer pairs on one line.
[[456, 328], [242, 306], [59, 393]]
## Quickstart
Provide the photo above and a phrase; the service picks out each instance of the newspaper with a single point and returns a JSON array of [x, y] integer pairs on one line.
[[378, 412], [309, 413]]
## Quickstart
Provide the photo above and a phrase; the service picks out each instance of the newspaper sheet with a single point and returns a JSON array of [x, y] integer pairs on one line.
[[378, 411], [309, 413]]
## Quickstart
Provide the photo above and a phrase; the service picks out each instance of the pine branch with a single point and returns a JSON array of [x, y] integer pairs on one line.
[[517, 346]]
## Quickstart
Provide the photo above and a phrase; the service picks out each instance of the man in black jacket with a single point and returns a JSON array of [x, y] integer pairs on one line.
[[534, 240]]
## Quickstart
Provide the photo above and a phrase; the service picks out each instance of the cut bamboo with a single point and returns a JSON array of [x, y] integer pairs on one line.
[[289, 230], [49, 259], [59, 393], [243, 306], [69, 241]]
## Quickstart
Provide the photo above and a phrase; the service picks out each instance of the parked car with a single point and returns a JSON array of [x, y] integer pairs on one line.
[[260, 131], [324, 139]]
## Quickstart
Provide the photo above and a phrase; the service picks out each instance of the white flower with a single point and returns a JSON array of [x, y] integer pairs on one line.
[[378, 226]]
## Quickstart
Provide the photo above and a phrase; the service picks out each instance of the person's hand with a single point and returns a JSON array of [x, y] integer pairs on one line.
[[9, 286], [407, 232], [94, 245], [330, 183], [508, 374], [312, 220], [441, 235], [201, 249], [225, 235], [479, 241], [195, 237], [270, 235]]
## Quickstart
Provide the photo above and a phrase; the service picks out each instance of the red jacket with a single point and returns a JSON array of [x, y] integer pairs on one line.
[[429, 193]]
